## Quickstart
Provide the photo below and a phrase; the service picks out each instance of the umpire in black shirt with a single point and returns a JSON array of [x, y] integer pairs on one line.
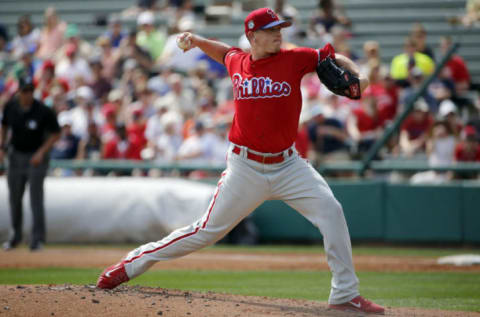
[[31, 129]]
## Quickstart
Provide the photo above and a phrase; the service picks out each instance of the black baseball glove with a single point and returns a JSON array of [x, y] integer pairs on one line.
[[338, 80]]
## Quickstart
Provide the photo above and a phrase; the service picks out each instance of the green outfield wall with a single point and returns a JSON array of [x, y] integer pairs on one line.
[[379, 211]]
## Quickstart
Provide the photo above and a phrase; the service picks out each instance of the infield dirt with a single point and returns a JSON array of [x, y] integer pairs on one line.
[[86, 300]]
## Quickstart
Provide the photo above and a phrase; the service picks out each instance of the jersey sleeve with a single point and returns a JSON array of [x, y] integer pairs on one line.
[[232, 55], [306, 59]]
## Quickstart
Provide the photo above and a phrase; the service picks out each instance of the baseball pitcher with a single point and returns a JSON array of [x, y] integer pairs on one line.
[[262, 162]]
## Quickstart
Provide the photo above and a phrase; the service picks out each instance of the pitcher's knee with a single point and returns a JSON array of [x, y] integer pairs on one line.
[[208, 236], [333, 209]]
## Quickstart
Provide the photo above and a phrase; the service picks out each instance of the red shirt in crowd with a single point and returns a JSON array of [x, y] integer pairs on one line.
[[417, 128], [116, 148], [365, 122], [458, 69], [386, 102], [463, 155], [136, 138], [267, 97]]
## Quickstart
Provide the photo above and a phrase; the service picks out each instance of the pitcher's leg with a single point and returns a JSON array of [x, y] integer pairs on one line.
[[235, 197], [308, 193]]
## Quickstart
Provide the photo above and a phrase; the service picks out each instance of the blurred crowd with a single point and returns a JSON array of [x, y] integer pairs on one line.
[[132, 94]]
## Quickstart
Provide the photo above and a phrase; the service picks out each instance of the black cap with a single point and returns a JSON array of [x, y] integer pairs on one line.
[[26, 83]]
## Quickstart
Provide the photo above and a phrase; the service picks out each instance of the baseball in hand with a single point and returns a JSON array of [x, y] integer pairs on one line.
[[184, 42]]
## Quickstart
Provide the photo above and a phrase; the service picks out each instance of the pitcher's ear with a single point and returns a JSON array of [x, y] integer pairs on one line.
[[250, 36]]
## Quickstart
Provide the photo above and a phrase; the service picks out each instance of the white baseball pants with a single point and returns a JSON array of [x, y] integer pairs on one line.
[[245, 185]]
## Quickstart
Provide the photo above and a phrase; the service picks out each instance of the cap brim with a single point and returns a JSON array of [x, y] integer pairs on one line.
[[282, 23]]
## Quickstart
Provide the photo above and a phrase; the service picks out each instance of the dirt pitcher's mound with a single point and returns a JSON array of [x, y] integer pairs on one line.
[[74, 300]]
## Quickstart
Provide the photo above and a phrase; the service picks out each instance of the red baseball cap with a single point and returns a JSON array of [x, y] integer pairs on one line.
[[262, 19]]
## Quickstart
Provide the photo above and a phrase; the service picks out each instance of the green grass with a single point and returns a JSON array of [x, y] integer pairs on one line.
[[435, 290]]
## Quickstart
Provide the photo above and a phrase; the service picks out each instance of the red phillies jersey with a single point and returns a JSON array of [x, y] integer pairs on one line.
[[267, 97]]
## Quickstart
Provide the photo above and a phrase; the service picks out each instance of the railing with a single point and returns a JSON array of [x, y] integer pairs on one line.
[[377, 166]]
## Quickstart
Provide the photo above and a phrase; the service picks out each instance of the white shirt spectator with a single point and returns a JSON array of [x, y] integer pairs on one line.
[[443, 151], [168, 145], [174, 57], [26, 43], [81, 117], [220, 149], [198, 148], [79, 68]]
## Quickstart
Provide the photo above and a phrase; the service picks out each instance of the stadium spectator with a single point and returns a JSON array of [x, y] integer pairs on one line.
[[340, 42], [115, 33], [108, 56], [467, 150], [387, 103], [364, 124], [180, 98], [169, 141], [440, 152], [220, 142], [117, 145], [52, 35], [131, 55], [403, 64], [72, 36], [372, 57], [145, 100], [175, 58], [419, 36], [415, 80], [448, 112], [27, 38], [25, 65], [57, 98], [66, 148], [44, 80], [198, 148], [328, 14], [154, 126], [415, 129], [456, 67], [150, 39], [442, 87], [73, 68], [100, 85], [84, 112], [441, 144], [336, 106], [328, 137], [136, 133], [289, 13], [90, 146]]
